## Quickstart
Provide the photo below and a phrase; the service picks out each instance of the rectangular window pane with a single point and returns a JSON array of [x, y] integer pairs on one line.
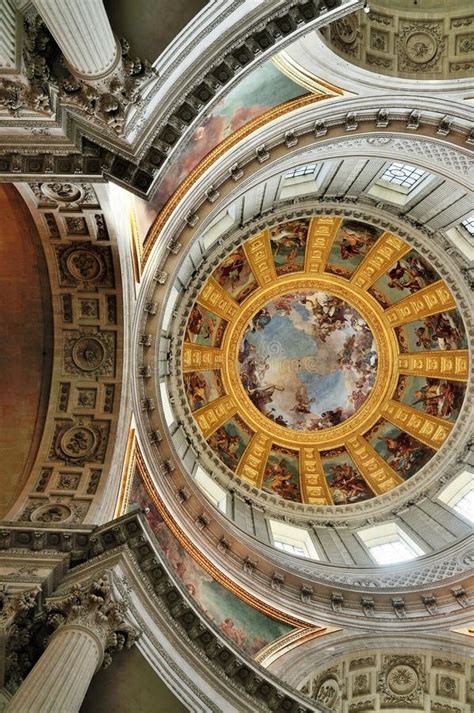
[[403, 174], [468, 223], [305, 170], [465, 505]]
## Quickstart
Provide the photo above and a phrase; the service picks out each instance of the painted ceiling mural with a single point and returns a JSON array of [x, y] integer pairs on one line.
[[263, 89], [248, 629], [325, 361]]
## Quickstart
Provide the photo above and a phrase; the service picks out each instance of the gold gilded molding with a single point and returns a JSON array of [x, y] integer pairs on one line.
[[254, 459], [321, 234], [430, 300], [216, 153], [214, 298], [453, 365], [212, 416], [378, 475], [387, 250], [258, 252], [197, 356], [387, 350], [313, 481], [127, 474], [430, 430], [198, 556]]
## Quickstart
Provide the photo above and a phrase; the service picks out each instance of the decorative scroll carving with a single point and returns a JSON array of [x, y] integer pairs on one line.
[[213, 415], [17, 614], [452, 365], [252, 463], [428, 429], [430, 300], [196, 356], [321, 234], [259, 255], [214, 298], [386, 251], [315, 487], [378, 474]]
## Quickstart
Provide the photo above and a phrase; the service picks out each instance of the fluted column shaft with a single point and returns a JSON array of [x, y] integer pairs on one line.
[[59, 680], [82, 30]]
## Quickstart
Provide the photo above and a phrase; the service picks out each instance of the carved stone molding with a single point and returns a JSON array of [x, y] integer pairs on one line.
[[120, 563], [153, 127]]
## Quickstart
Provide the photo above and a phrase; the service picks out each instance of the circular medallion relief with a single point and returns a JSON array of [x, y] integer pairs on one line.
[[421, 47], [62, 192], [402, 679], [88, 353], [84, 265], [78, 442], [308, 360], [51, 513]]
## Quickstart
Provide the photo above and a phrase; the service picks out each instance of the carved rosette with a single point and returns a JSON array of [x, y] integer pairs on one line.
[[92, 606]]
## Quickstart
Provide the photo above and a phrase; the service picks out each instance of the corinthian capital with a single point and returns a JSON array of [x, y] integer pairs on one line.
[[92, 606]]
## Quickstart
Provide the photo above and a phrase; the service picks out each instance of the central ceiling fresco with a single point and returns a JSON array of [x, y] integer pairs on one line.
[[324, 361]]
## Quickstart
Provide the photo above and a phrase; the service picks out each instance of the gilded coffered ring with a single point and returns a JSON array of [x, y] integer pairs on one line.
[[323, 361]]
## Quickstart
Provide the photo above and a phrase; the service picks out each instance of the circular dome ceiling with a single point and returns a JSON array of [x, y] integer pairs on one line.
[[324, 361]]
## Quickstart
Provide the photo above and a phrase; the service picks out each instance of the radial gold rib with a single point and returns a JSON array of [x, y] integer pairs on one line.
[[197, 357], [430, 430], [213, 415], [214, 298], [321, 234], [378, 475], [452, 365], [315, 488], [254, 459], [430, 300], [387, 250], [258, 252]]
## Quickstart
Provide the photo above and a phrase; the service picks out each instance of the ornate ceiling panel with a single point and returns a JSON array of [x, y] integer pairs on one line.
[[324, 360]]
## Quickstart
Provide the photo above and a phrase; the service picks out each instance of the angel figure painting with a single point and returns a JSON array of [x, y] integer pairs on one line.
[[308, 361]]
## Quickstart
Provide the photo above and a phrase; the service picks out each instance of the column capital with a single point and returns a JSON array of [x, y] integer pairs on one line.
[[92, 606]]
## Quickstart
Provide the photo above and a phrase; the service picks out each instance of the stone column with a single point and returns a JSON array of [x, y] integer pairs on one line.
[[89, 626], [82, 30]]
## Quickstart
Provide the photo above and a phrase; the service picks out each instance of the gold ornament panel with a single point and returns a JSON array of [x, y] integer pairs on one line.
[[384, 441]]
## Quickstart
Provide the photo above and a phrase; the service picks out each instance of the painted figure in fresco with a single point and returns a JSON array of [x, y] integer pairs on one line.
[[302, 401], [437, 397], [261, 319], [288, 385], [230, 269], [439, 329], [280, 480], [354, 242], [404, 452], [230, 630], [410, 274], [289, 235], [227, 446], [347, 486], [288, 242], [283, 305], [261, 397], [197, 390], [195, 320]]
